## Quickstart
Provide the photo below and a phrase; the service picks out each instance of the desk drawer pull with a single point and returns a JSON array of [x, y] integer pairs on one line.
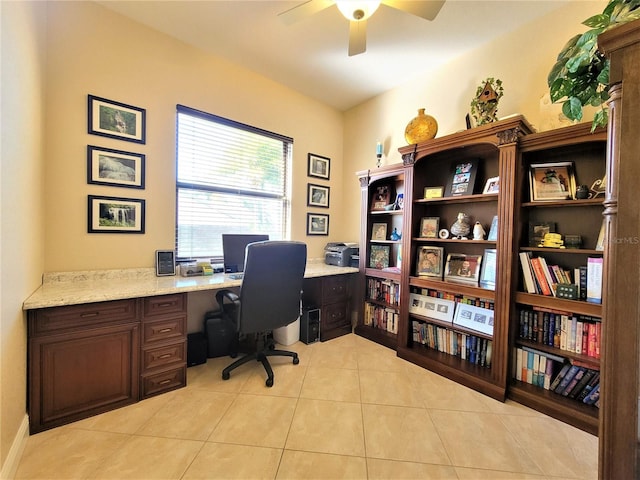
[[165, 382], [89, 314], [167, 304], [166, 355], [165, 330]]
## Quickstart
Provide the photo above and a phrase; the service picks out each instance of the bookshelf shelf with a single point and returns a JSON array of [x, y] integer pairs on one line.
[[487, 197], [593, 202], [382, 337], [467, 290], [453, 240], [569, 251], [572, 306], [590, 362]]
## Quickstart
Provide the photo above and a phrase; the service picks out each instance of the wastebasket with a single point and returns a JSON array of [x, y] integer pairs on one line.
[[288, 335]]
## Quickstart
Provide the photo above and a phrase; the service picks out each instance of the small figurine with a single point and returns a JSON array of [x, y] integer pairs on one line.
[[395, 235], [460, 229], [478, 231]]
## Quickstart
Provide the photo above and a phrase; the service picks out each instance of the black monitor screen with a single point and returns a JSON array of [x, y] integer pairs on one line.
[[233, 249]]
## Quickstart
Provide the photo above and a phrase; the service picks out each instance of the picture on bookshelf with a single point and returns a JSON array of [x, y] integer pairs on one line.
[[537, 231], [488, 270], [430, 260], [379, 256], [463, 179], [433, 192], [429, 227], [433, 307], [379, 231], [493, 231], [492, 185], [552, 181], [399, 203], [463, 268], [475, 318], [381, 198]]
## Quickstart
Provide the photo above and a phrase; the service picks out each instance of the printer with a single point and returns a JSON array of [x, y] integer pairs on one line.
[[340, 254]]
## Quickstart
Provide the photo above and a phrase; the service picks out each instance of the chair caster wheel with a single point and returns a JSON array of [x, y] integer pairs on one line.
[[269, 382], [296, 360], [226, 375]]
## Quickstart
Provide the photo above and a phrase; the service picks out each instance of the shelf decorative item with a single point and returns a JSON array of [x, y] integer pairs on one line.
[[381, 198], [421, 128], [460, 228], [478, 231], [463, 179], [484, 107]]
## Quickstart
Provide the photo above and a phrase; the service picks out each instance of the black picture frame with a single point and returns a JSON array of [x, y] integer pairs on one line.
[[317, 196], [102, 213], [317, 224], [165, 263], [106, 166], [463, 178], [112, 119], [318, 166], [488, 270]]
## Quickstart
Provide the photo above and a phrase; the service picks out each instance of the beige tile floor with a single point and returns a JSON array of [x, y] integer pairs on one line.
[[351, 409]]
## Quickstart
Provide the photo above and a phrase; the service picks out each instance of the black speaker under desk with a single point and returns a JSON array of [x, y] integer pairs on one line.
[[310, 325]]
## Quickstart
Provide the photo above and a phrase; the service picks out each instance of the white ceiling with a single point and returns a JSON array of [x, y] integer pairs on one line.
[[311, 57]]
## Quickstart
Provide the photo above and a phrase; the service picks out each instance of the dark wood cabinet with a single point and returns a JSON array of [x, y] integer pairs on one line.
[[332, 295]]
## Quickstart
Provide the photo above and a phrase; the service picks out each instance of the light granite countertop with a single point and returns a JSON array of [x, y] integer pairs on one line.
[[73, 288]]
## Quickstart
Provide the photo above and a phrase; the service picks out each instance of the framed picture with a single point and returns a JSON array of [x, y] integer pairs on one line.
[[429, 263], [600, 240], [433, 192], [429, 227], [463, 179], [399, 203], [116, 120], [317, 196], [493, 231], [488, 270], [318, 166], [463, 268], [537, 231], [381, 198], [165, 262], [379, 257], [492, 185], [317, 224], [115, 215], [379, 231], [475, 318], [438, 308], [552, 181], [106, 166]]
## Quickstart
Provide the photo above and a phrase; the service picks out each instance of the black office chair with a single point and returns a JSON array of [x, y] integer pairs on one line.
[[269, 298]]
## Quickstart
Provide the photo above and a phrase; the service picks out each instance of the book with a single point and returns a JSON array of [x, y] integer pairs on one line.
[[594, 279], [567, 378], [595, 380], [556, 381], [540, 277], [527, 273], [574, 381], [593, 396], [546, 270], [586, 378]]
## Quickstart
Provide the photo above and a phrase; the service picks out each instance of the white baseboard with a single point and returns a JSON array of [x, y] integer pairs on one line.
[[10, 466]]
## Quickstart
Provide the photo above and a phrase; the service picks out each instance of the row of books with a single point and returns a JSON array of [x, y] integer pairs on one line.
[[478, 302], [385, 291], [565, 331], [540, 277], [557, 375], [384, 318], [471, 348]]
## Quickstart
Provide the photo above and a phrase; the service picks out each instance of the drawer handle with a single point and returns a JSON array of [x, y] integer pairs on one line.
[[166, 355], [161, 305], [164, 382], [165, 330], [89, 314]]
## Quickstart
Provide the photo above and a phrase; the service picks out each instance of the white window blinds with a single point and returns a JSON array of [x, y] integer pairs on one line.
[[231, 178]]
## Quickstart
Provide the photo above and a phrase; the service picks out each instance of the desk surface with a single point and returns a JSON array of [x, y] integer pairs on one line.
[[73, 288]]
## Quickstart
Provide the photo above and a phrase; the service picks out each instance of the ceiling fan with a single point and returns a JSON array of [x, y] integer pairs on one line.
[[357, 12]]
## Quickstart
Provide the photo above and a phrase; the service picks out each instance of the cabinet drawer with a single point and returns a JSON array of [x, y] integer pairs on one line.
[[163, 381], [162, 330], [73, 317], [334, 315], [335, 288], [163, 356], [164, 304]]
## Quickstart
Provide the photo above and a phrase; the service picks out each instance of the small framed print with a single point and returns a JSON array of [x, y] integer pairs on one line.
[[379, 231], [430, 260], [429, 227], [165, 263], [379, 257], [106, 166], [463, 268], [381, 198], [433, 307], [475, 318], [317, 196], [552, 181], [116, 120], [115, 215], [488, 271], [318, 166], [463, 179], [492, 185], [433, 192], [493, 231], [317, 224]]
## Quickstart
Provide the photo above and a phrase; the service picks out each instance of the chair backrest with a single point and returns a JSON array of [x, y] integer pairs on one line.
[[271, 288]]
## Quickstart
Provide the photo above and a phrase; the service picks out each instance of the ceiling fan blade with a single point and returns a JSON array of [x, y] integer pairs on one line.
[[304, 10], [424, 9], [357, 37]]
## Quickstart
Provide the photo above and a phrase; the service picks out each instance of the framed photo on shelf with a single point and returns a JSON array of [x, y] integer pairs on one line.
[[463, 268], [475, 318], [429, 263], [433, 307], [317, 196], [600, 240], [463, 179], [379, 257], [115, 215], [492, 185], [317, 224], [116, 120], [379, 231], [552, 181], [381, 198], [429, 227], [488, 270], [493, 230], [318, 166], [399, 203], [433, 192], [106, 166]]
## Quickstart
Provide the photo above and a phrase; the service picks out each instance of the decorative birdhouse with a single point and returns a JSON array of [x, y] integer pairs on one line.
[[484, 107], [488, 94]]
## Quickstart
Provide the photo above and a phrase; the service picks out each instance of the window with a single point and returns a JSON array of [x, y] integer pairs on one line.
[[231, 178]]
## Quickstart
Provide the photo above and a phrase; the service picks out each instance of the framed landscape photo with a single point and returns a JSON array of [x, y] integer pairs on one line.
[[379, 231], [492, 185], [109, 118], [488, 270], [317, 196], [552, 181], [106, 166], [429, 227], [463, 179], [379, 257], [115, 215], [429, 262], [463, 268], [317, 224], [318, 166]]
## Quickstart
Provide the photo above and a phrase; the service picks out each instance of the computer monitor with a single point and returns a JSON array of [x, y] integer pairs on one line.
[[233, 249]]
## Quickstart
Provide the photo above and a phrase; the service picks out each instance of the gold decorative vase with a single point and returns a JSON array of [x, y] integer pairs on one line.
[[421, 128]]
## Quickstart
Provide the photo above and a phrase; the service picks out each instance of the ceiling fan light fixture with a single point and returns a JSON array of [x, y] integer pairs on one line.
[[357, 10]]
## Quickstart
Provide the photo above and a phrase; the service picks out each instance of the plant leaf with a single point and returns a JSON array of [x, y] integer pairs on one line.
[[600, 119], [567, 50], [572, 109], [577, 61], [603, 76], [597, 21]]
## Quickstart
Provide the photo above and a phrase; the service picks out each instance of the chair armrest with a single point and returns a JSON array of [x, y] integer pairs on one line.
[[229, 303]]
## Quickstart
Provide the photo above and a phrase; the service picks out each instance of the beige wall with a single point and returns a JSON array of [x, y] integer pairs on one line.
[[21, 203]]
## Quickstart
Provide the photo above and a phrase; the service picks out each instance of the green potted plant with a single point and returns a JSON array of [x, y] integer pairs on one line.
[[580, 76]]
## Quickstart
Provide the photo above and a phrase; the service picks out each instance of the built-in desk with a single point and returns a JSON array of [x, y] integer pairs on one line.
[[101, 340]]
